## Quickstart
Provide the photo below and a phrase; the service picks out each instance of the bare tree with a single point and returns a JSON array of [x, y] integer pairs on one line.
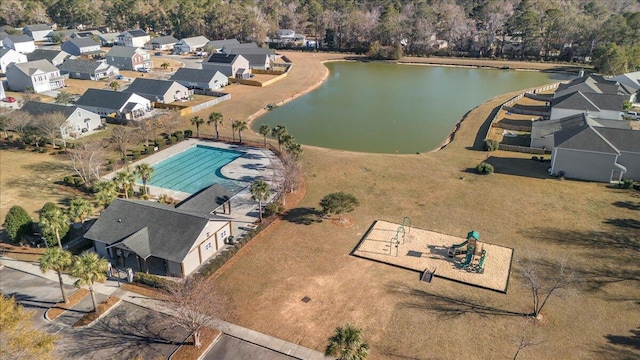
[[86, 159], [19, 122], [52, 126], [122, 138], [288, 176], [544, 283], [147, 130], [195, 302], [170, 122]]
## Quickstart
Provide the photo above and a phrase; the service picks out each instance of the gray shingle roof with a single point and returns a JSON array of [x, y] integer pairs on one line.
[[104, 98], [256, 59], [19, 38], [589, 101], [37, 108], [170, 233], [221, 58], [164, 40], [39, 27], [136, 33], [195, 41], [83, 42], [42, 54], [206, 200], [623, 140], [122, 51], [585, 138], [80, 66], [30, 67], [219, 44], [144, 86], [193, 75]]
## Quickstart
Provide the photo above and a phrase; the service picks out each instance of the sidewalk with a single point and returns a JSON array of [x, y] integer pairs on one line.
[[110, 287]]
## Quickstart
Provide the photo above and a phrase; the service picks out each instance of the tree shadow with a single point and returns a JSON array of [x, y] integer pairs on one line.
[[631, 205], [519, 167], [478, 142], [303, 216], [624, 223], [449, 307], [632, 341], [47, 166]]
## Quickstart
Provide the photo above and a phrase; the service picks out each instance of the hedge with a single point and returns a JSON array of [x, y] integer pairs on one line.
[[151, 280]]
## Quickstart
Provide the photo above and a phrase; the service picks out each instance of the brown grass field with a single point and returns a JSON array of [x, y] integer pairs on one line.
[[596, 228]]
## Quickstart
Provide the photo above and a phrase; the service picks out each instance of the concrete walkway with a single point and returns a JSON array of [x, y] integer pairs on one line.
[[110, 287]]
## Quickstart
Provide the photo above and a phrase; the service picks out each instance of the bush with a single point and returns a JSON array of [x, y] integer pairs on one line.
[[68, 180], [188, 134], [179, 136], [78, 182], [484, 168], [626, 184], [135, 154], [109, 167], [491, 145], [18, 223], [173, 140], [160, 141], [150, 280], [273, 209]]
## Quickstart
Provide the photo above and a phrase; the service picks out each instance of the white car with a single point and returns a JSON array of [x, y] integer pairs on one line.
[[144, 70]]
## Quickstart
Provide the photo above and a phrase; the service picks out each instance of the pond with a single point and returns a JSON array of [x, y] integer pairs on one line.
[[393, 108]]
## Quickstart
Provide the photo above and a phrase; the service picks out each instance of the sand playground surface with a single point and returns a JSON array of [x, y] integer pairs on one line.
[[422, 249]]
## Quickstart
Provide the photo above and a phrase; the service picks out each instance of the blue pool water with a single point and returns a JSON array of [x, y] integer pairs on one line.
[[194, 169]]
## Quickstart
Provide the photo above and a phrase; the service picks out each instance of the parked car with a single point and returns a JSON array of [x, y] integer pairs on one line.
[[119, 77], [9, 99], [144, 70], [159, 53]]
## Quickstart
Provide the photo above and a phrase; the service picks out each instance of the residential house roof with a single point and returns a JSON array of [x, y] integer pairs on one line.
[[193, 75], [30, 67], [631, 79], [136, 33], [39, 27], [169, 233], [622, 139], [144, 86], [591, 83], [195, 41], [83, 42], [585, 138], [219, 44], [16, 39], [109, 37], [81, 66], [248, 50], [37, 108], [43, 54], [206, 201], [256, 59], [4, 51], [222, 58], [164, 40], [589, 101], [104, 98], [285, 33], [90, 33], [122, 51]]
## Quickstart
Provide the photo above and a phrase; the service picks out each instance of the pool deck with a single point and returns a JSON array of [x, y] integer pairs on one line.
[[254, 164]]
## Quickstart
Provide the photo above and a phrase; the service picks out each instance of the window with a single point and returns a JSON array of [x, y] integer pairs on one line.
[[223, 234], [208, 246]]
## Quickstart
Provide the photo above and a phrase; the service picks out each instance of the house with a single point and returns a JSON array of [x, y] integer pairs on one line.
[[236, 66], [593, 84], [133, 38], [543, 131], [10, 56], [78, 120], [38, 32], [88, 69], [259, 58], [597, 106], [596, 154], [128, 58], [39, 76], [200, 79], [161, 91], [161, 43], [108, 39], [56, 57], [123, 105], [92, 34], [20, 43], [189, 45], [82, 46], [217, 45], [3, 35], [59, 36], [163, 239]]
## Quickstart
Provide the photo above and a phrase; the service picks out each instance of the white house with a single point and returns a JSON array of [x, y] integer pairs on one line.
[[161, 43], [200, 79], [38, 32], [20, 43], [39, 76], [189, 45], [236, 66], [161, 91], [88, 69], [10, 56], [81, 46], [112, 103], [78, 120], [597, 106], [133, 38]]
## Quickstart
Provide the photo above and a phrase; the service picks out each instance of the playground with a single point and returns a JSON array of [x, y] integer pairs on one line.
[[459, 259]]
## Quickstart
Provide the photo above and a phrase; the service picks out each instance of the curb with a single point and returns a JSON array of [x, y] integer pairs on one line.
[[101, 315]]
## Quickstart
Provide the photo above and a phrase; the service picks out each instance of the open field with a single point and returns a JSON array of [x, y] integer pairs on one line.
[[595, 227]]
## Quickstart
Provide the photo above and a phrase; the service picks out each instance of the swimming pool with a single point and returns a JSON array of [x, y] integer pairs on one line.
[[194, 169]]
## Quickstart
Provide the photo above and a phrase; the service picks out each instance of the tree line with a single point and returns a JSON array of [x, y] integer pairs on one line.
[[524, 29]]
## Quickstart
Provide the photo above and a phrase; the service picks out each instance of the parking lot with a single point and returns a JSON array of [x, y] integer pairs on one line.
[[230, 348]]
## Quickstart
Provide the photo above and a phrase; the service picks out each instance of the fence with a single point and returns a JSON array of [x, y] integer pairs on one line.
[[502, 125], [235, 141], [522, 149], [208, 104]]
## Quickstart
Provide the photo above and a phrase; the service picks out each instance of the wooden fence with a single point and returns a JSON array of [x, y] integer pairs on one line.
[[522, 149]]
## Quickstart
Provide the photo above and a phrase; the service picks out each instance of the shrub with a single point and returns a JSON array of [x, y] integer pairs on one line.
[[68, 180], [491, 145], [179, 136], [160, 141], [188, 133], [173, 140], [484, 168], [273, 209], [18, 223], [150, 280], [135, 154], [109, 167], [626, 184], [78, 182]]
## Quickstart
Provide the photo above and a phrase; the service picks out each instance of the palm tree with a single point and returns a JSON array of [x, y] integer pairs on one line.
[[197, 121], [54, 221], [287, 140], [216, 119], [240, 126], [58, 260], [144, 171], [89, 268], [294, 149], [114, 85], [347, 344], [278, 131], [125, 180], [105, 192], [80, 209], [264, 131], [164, 65], [260, 191]]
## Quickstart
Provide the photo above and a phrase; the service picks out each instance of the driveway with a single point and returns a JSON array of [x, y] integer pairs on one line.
[[34, 293], [230, 348], [126, 332]]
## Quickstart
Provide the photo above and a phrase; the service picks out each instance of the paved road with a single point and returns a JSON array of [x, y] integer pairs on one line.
[[230, 348]]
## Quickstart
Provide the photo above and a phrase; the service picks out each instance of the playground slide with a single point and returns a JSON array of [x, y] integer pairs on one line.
[[453, 250], [468, 258]]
